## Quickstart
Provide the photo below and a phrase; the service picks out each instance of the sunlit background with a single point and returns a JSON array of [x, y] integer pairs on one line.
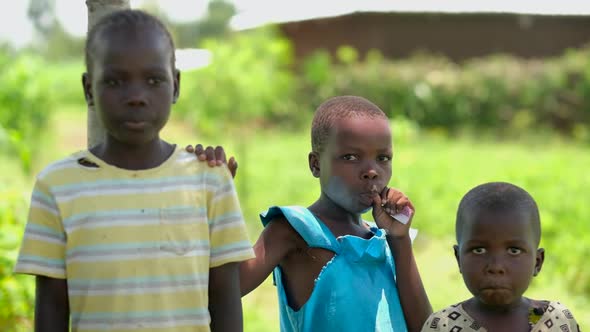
[[477, 91]]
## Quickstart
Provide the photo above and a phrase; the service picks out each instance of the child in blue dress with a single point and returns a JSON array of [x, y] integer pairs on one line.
[[334, 271]]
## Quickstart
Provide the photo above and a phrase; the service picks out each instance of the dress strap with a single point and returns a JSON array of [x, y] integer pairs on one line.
[[314, 232]]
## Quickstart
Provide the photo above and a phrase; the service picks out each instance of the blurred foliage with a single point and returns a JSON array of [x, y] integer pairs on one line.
[[248, 81], [253, 79], [25, 103], [16, 292], [499, 93], [253, 91]]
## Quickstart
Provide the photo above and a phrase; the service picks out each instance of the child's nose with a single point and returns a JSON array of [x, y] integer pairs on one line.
[[370, 175], [370, 172], [495, 266], [136, 95]]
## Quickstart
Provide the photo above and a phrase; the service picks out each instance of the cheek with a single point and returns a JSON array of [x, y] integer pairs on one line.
[[336, 186], [470, 270], [524, 269]]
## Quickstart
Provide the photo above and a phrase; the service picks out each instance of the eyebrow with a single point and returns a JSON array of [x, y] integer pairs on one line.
[[122, 71]]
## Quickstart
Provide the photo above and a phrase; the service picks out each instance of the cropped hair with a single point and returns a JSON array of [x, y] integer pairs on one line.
[[336, 108], [497, 197], [124, 19]]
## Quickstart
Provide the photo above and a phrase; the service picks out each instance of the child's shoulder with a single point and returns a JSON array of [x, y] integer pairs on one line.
[[552, 313], [302, 222], [187, 162], [541, 313], [448, 318], [62, 167]]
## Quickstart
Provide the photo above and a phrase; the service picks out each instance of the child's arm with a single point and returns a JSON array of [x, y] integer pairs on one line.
[[413, 298], [229, 245], [52, 311], [277, 239], [225, 304], [43, 254]]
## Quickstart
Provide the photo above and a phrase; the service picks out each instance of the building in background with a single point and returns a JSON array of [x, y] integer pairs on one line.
[[456, 29]]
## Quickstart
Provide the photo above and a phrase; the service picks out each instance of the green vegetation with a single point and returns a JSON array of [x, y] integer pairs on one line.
[[435, 172], [455, 126]]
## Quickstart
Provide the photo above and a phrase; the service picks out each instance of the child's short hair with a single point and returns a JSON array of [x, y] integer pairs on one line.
[[335, 108], [498, 196], [126, 18]]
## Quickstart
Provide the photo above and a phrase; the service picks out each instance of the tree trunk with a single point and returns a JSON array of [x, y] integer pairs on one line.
[[96, 10]]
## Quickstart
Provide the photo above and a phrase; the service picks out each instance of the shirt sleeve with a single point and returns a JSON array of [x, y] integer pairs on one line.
[[227, 229], [551, 318], [43, 247], [433, 323]]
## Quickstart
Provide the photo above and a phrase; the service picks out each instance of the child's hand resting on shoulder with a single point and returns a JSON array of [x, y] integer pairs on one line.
[[214, 157], [393, 211]]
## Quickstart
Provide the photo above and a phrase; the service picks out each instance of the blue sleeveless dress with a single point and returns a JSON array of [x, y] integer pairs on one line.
[[354, 292]]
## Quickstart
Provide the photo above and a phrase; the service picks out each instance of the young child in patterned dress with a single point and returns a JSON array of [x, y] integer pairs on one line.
[[498, 232]]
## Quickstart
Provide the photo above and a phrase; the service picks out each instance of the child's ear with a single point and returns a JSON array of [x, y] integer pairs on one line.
[[176, 86], [87, 86], [539, 261], [456, 250], [314, 164]]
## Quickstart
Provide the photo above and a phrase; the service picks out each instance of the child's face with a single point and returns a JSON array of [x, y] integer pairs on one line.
[[355, 163], [498, 256], [132, 83]]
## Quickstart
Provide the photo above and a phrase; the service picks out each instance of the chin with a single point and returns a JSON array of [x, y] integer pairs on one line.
[[497, 298]]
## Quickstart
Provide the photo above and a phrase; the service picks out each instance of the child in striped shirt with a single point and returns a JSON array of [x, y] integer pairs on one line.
[[133, 234]]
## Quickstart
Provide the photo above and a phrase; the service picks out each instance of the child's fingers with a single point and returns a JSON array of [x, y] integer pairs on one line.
[[210, 153], [383, 195], [200, 153], [402, 203], [219, 155], [189, 148], [232, 164]]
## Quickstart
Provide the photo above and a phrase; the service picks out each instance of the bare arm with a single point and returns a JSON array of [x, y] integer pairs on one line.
[[52, 310], [225, 304], [277, 239], [413, 298]]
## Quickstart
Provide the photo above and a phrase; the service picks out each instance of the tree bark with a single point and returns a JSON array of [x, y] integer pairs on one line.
[[96, 10]]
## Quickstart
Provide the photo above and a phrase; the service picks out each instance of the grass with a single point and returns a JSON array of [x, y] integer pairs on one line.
[[435, 172]]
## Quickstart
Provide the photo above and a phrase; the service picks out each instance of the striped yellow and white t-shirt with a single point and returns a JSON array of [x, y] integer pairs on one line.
[[135, 246]]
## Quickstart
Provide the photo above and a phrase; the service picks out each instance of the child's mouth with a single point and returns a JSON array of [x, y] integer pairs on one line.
[[135, 125]]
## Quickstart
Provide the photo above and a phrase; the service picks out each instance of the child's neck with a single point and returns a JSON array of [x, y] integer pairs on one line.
[[329, 211], [499, 318], [133, 157]]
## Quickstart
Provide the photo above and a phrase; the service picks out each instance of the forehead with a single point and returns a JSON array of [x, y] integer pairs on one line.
[[360, 131], [498, 226], [142, 43]]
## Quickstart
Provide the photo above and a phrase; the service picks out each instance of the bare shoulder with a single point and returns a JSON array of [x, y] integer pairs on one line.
[[281, 228]]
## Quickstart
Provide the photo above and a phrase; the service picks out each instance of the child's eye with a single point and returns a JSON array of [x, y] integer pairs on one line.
[[154, 81], [514, 251], [111, 82], [384, 158], [349, 157], [478, 251]]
